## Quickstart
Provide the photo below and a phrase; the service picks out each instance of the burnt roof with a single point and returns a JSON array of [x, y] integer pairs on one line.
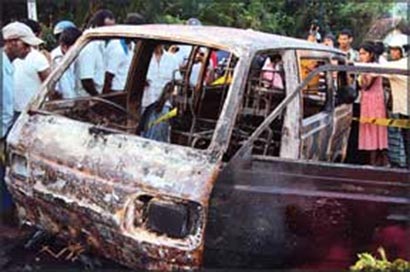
[[232, 39]]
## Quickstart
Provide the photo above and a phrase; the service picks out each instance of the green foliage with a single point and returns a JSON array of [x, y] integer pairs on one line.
[[368, 263], [286, 17], [48, 37]]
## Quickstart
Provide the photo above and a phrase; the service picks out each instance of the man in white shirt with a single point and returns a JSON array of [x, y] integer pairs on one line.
[[90, 64], [118, 57], [162, 68], [89, 69], [119, 54], [401, 99], [29, 73], [345, 40], [16, 36], [56, 53], [66, 85], [117, 65]]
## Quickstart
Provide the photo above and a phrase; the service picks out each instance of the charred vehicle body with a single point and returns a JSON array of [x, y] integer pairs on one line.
[[250, 175]]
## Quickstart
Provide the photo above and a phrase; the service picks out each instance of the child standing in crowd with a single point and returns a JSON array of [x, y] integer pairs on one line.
[[372, 138]]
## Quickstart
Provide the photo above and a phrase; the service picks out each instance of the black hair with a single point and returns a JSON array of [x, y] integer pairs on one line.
[[379, 48], [69, 36], [1, 39], [134, 19], [370, 47], [33, 25], [332, 37], [99, 17], [347, 32]]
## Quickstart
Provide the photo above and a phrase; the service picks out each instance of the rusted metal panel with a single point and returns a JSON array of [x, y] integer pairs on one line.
[[230, 109], [232, 39], [129, 161], [341, 130], [290, 147], [97, 180], [315, 134]]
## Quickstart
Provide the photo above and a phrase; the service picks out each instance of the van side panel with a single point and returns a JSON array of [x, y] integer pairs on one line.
[[275, 213]]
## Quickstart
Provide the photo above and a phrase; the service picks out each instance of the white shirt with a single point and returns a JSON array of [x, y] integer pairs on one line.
[[66, 84], [352, 55], [90, 65], [183, 54], [26, 78], [399, 86], [118, 63], [158, 75], [56, 56], [398, 83], [196, 69], [7, 95]]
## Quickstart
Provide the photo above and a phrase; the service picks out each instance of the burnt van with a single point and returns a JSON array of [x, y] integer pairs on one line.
[[251, 172]]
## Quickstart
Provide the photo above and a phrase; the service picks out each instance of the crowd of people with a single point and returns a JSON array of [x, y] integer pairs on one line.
[[26, 65], [380, 97], [99, 69]]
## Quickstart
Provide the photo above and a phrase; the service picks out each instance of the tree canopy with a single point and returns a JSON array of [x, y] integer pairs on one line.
[[285, 17]]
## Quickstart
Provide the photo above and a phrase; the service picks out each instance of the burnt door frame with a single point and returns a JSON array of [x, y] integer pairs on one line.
[[315, 130]]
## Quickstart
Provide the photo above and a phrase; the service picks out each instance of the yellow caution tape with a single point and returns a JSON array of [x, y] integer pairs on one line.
[[226, 79], [386, 122], [171, 114]]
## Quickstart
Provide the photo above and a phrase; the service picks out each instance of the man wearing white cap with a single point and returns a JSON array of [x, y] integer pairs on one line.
[[29, 72], [14, 36]]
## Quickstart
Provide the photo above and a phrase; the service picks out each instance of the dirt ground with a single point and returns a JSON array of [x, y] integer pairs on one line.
[[19, 253]]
